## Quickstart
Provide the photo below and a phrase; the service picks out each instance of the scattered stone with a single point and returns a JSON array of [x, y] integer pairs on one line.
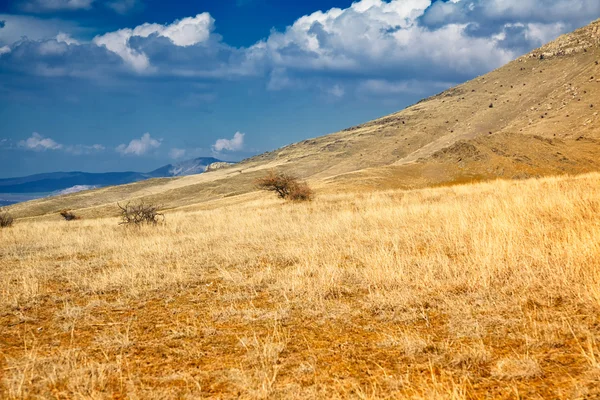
[[492, 105], [217, 165]]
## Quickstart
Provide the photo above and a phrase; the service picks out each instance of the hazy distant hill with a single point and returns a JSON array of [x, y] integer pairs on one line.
[[189, 167], [71, 182]]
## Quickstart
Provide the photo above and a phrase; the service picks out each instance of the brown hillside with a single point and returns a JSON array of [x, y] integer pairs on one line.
[[537, 115]]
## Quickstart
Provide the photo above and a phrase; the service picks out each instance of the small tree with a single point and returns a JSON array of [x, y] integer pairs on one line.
[[286, 186], [139, 214], [6, 220], [68, 215]]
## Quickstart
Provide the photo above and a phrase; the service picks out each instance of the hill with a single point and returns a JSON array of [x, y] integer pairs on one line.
[[57, 183], [536, 116]]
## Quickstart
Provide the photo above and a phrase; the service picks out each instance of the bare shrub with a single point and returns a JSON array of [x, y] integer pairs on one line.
[[301, 192], [6, 220], [140, 214], [68, 215], [286, 186]]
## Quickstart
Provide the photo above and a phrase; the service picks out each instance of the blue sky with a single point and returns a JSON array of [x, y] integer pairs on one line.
[[113, 85]]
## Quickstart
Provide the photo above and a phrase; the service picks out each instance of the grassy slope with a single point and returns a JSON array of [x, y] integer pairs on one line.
[[544, 121], [456, 292]]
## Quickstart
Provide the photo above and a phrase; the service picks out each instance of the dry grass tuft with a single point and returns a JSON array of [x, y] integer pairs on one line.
[[69, 215], [6, 219], [517, 368], [140, 214]]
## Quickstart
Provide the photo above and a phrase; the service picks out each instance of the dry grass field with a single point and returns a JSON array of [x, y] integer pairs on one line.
[[490, 290]]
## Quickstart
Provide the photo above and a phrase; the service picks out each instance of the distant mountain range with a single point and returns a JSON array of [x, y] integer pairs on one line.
[[39, 185]]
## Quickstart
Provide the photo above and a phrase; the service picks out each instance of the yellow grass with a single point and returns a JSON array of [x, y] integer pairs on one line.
[[476, 291]]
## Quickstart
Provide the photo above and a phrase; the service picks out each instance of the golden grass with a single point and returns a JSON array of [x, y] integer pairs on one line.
[[476, 291]]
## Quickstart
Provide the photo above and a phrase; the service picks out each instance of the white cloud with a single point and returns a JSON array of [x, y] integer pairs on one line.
[[336, 51], [383, 87], [139, 146], [545, 11], [65, 38], [80, 149], [176, 153], [123, 6], [4, 50], [421, 40], [373, 37], [59, 45], [39, 143], [16, 27], [183, 33], [234, 144], [40, 6], [336, 91]]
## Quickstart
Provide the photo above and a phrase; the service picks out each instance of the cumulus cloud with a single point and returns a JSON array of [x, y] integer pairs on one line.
[[80, 149], [18, 27], [383, 87], [505, 11], [336, 50], [183, 33], [65, 38], [336, 91], [4, 50], [139, 146], [41, 6], [420, 40], [123, 6], [39, 143], [374, 38], [234, 144], [56, 46], [176, 153]]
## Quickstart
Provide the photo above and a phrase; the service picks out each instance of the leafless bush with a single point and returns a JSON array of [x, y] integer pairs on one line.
[[140, 214], [6, 219], [68, 215], [286, 186]]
